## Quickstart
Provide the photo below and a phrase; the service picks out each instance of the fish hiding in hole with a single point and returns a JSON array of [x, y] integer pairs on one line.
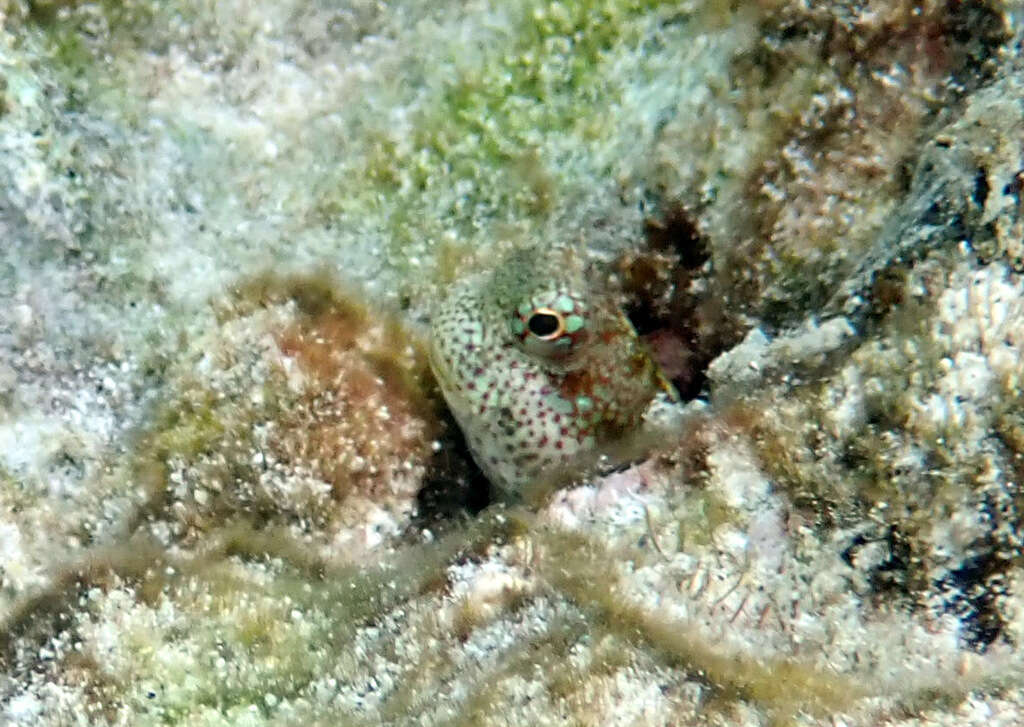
[[540, 368]]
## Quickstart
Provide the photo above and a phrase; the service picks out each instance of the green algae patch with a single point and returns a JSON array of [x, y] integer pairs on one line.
[[493, 125], [95, 75], [252, 613]]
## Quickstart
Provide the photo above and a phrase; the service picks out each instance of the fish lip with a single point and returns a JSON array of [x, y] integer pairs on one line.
[[441, 373], [457, 402]]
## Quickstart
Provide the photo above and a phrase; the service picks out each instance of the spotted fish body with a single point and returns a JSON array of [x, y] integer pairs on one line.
[[539, 369]]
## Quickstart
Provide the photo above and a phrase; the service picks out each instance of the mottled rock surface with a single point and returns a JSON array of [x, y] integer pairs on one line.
[[229, 492]]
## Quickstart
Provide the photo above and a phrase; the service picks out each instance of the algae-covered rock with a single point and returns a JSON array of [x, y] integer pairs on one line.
[[230, 494], [303, 408]]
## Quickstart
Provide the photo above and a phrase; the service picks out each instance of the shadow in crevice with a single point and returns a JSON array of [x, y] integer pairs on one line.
[[454, 487], [671, 295]]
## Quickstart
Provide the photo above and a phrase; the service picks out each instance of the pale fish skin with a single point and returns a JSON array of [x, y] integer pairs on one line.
[[539, 367]]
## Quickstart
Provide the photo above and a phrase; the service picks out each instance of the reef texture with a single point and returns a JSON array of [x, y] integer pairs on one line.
[[231, 493]]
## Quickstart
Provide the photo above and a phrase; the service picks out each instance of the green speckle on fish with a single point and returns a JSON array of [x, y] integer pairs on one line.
[[538, 366], [565, 304]]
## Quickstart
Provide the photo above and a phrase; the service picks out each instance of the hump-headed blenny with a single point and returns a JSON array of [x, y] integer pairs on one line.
[[539, 366]]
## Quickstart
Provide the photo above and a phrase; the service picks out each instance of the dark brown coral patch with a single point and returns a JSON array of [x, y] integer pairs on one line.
[[365, 416], [671, 298]]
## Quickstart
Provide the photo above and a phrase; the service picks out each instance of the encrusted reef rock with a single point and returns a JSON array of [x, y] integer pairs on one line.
[[303, 410], [229, 491], [965, 189]]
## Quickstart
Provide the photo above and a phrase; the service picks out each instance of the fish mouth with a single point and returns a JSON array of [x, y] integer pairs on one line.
[[457, 401], [441, 373]]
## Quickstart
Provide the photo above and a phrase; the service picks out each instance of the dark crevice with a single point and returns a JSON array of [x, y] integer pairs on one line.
[[981, 187], [453, 487], [972, 592], [890, 578], [670, 297]]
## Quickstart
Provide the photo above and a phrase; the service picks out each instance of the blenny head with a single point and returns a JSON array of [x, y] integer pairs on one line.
[[538, 365]]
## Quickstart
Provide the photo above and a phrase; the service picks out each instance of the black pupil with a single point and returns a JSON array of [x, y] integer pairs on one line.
[[543, 324]]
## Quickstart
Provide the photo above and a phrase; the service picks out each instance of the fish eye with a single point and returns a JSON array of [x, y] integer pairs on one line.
[[550, 326], [546, 324]]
